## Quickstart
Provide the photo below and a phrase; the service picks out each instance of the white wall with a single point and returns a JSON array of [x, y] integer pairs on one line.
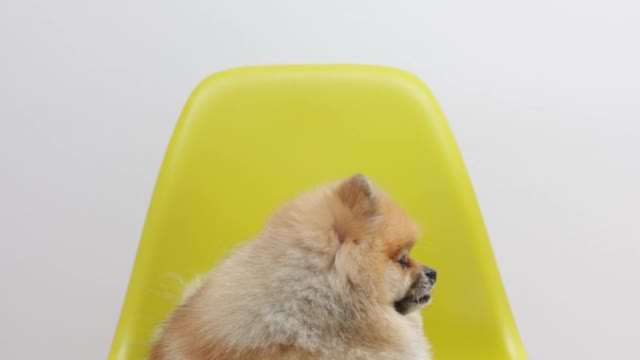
[[543, 98]]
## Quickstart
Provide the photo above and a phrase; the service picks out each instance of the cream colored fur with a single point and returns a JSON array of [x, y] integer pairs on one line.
[[297, 291]]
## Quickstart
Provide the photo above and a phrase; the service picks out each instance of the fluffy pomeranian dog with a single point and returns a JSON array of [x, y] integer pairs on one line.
[[329, 277]]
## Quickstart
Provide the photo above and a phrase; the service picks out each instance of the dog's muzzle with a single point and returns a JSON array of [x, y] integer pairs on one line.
[[419, 293]]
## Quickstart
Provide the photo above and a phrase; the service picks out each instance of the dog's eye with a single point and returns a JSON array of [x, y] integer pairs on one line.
[[403, 261]]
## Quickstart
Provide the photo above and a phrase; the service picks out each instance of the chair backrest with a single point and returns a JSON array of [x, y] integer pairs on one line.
[[250, 138]]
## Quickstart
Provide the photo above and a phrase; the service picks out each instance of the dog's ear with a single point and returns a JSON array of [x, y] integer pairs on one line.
[[357, 196]]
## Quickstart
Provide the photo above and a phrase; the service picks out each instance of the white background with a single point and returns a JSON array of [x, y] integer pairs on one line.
[[542, 97]]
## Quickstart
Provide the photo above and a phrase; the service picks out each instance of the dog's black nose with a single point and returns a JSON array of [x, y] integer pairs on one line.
[[430, 273]]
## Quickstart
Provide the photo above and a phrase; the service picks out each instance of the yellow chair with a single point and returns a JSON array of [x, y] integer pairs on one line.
[[250, 138]]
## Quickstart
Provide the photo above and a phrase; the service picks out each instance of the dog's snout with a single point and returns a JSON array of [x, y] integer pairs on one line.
[[430, 273]]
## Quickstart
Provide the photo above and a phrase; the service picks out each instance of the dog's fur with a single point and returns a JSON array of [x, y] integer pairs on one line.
[[327, 278]]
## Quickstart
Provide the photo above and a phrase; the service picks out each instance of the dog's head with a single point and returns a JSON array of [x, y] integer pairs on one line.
[[356, 235], [375, 238]]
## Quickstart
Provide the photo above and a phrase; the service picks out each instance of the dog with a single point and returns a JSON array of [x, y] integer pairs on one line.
[[328, 277]]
